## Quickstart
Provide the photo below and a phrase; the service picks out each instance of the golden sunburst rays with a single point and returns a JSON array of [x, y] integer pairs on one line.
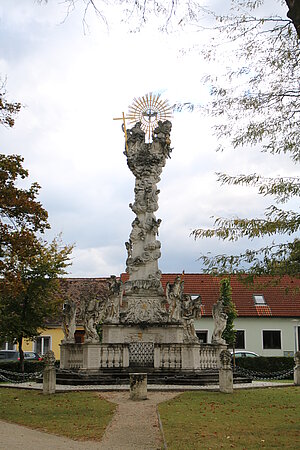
[[149, 110]]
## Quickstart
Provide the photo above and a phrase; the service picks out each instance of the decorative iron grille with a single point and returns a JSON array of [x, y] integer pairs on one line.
[[141, 354]]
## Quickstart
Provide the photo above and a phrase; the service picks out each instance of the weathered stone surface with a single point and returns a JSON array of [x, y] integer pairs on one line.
[[297, 369], [143, 310], [220, 320], [146, 162], [49, 374], [138, 386], [69, 320], [225, 372]]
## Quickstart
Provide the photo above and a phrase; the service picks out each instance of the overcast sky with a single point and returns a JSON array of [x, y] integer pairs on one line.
[[72, 82]]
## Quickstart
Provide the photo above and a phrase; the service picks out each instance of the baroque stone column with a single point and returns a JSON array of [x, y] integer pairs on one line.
[[145, 302]]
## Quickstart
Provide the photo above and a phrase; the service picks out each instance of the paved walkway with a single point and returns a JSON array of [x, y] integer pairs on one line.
[[134, 426]]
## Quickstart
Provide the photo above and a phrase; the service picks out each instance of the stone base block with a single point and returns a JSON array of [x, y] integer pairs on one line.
[[49, 380], [138, 386], [191, 356], [297, 376], [163, 334], [226, 381], [91, 355]]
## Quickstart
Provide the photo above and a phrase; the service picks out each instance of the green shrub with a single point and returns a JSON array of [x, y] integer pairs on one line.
[[29, 366], [270, 364]]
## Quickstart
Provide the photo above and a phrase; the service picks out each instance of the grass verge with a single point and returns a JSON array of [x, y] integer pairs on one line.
[[77, 415], [247, 419]]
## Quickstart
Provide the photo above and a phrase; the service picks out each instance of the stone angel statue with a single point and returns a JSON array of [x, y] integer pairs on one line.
[[69, 320], [174, 293], [220, 321]]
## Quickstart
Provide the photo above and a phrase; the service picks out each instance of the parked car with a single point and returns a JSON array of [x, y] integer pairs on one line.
[[244, 354], [12, 355], [9, 355], [32, 356]]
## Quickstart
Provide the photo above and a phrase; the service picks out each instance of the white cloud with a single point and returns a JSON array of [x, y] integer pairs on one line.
[[72, 85]]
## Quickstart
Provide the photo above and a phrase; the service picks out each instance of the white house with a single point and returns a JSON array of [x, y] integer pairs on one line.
[[268, 321]]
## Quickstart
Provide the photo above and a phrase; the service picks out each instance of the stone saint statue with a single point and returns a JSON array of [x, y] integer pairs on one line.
[[69, 320], [220, 321], [189, 312], [92, 315], [174, 293], [115, 294]]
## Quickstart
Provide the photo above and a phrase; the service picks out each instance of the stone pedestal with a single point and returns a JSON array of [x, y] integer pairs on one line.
[[49, 374], [191, 356], [225, 372], [226, 381], [49, 380], [138, 386], [91, 355]]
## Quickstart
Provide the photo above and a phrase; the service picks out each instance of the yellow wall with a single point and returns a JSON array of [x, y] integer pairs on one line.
[[56, 336]]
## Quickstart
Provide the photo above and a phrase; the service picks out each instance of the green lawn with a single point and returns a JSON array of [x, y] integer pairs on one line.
[[247, 419], [77, 415]]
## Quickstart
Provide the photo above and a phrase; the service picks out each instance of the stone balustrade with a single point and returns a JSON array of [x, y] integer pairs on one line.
[[166, 356], [114, 356], [71, 356], [208, 356]]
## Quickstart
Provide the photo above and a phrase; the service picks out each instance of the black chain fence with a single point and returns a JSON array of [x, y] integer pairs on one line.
[[285, 374], [16, 377]]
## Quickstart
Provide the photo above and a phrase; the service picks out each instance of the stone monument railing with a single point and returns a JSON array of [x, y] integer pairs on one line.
[[209, 356], [113, 355], [71, 356], [166, 356]]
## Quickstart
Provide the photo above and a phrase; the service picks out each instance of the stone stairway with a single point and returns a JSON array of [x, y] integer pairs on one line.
[[161, 377]]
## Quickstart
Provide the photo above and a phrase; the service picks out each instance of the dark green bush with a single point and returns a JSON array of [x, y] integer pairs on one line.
[[29, 366], [270, 364]]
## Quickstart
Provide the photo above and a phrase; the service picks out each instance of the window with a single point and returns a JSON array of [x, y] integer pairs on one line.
[[42, 344], [79, 336], [271, 339], [259, 299], [8, 346], [240, 339], [202, 336]]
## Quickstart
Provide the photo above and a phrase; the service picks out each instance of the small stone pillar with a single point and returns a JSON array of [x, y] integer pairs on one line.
[[225, 373], [297, 369], [49, 374], [138, 386]]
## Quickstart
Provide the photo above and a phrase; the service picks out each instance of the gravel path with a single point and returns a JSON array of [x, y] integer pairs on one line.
[[133, 427]]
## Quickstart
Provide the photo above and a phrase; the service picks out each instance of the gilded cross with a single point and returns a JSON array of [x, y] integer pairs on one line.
[[125, 131]]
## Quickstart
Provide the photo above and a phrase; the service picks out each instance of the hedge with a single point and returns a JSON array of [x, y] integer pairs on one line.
[[29, 366], [268, 364]]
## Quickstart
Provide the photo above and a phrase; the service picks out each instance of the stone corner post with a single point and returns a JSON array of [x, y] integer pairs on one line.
[[225, 373], [297, 369], [49, 374]]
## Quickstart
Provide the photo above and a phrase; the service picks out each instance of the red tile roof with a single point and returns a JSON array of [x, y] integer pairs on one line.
[[280, 302]]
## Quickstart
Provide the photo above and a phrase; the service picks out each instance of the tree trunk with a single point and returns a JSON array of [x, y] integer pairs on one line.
[[20, 343], [294, 14]]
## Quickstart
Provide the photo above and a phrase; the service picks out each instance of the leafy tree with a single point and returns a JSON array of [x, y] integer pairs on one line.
[[29, 266], [260, 102], [30, 291], [8, 110], [229, 334]]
